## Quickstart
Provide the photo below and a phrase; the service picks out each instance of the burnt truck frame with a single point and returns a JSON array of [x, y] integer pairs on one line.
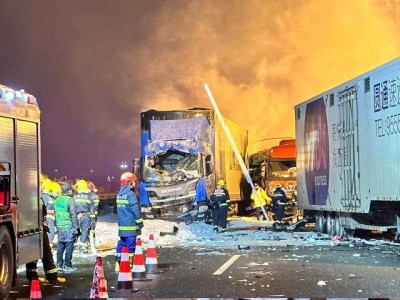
[[183, 154], [21, 220], [348, 166]]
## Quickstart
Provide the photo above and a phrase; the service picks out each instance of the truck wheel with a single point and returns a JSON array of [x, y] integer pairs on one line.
[[330, 224], [339, 229], [320, 222], [6, 262]]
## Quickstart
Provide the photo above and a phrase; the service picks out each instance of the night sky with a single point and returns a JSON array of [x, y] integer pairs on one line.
[[95, 65]]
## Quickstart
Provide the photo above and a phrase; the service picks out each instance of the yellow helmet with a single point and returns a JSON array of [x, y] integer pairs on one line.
[[221, 182], [42, 177], [45, 185], [92, 187], [55, 189], [81, 185]]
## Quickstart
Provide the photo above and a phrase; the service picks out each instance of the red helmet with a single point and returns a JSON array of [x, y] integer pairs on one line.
[[127, 178], [91, 186]]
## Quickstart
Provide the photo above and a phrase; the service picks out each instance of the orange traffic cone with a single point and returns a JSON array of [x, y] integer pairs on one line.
[[99, 285], [138, 268], [103, 289], [151, 256], [125, 275], [35, 289]]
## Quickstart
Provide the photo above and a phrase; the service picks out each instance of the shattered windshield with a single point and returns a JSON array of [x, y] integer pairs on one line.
[[282, 169], [171, 167]]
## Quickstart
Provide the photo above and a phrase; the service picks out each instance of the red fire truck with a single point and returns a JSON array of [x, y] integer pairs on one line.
[[21, 224]]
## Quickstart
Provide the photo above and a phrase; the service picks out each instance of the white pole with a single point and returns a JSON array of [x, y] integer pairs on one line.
[[235, 150]]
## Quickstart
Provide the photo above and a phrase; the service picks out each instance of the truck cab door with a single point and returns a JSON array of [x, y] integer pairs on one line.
[[209, 173]]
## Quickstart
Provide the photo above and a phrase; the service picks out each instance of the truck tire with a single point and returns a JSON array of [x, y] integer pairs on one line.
[[339, 229], [6, 262], [330, 224], [320, 222]]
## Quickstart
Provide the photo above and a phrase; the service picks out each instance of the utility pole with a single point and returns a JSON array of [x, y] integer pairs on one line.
[[235, 150]]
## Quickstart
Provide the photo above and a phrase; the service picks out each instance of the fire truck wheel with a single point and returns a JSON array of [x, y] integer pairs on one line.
[[6, 262]]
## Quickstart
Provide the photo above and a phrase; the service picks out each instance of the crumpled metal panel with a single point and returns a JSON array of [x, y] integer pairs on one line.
[[182, 129], [185, 135]]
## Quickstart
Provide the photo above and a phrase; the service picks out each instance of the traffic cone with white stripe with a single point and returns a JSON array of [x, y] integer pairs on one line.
[[151, 256], [99, 285], [35, 289], [124, 275], [138, 268]]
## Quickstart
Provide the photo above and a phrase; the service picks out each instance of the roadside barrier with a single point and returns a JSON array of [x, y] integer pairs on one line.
[[99, 285], [124, 275]]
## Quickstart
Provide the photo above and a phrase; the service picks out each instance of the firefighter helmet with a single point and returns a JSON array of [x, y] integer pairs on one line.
[[91, 186], [55, 189], [42, 177], [45, 185], [221, 182], [127, 178], [81, 186]]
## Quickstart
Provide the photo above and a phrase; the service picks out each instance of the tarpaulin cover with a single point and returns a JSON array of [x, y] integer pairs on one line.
[[182, 129], [185, 135]]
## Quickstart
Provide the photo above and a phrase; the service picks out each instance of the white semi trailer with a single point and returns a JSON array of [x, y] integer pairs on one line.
[[348, 154]]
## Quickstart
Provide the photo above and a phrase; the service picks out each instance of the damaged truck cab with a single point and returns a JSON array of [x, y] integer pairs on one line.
[[183, 153]]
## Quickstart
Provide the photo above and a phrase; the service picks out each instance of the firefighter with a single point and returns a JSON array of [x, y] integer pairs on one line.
[[48, 201], [279, 202], [49, 266], [84, 210], [265, 201], [220, 205], [67, 225], [94, 210], [130, 220]]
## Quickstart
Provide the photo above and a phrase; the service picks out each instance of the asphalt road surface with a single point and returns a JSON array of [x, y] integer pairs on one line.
[[355, 271]]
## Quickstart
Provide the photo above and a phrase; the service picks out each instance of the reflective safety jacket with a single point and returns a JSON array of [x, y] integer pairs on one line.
[[49, 203], [95, 205], [66, 219], [279, 197], [220, 197], [129, 217], [262, 196], [84, 202]]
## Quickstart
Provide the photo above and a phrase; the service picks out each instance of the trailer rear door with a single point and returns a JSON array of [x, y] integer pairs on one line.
[[350, 163]]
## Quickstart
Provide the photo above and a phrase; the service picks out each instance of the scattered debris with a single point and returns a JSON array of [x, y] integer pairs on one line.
[[174, 232], [255, 264], [244, 247], [321, 283]]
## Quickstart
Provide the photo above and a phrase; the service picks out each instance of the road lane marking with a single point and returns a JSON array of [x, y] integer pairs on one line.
[[226, 265]]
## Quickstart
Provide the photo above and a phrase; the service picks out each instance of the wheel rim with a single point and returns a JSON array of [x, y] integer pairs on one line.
[[338, 226], [330, 222], [320, 222], [4, 267]]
